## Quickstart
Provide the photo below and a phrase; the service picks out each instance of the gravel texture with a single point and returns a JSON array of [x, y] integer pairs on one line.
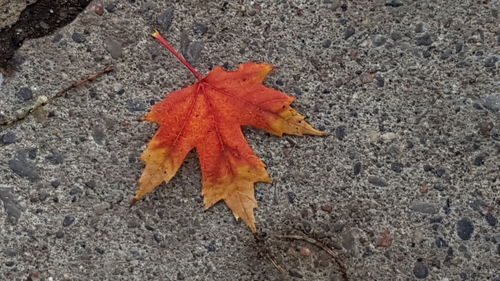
[[406, 187]]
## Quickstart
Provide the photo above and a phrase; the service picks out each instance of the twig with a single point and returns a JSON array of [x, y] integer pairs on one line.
[[343, 267], [42, 103], [260, 241], [276, 264]]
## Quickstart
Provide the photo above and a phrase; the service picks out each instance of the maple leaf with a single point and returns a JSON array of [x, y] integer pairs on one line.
[[208, 117]]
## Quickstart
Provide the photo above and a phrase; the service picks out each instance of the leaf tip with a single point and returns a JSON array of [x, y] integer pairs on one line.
[[155, 33], [133, 202], [253, 228]]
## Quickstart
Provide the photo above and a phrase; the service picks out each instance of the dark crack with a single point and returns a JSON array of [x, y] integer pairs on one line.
[[37, 20]]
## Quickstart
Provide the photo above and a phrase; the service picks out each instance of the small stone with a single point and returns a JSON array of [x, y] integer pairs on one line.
[[295, 274], [55, 183], [425, 208], [439, 172], [10, 253], [397, 167], [492, 102], [43, 25], [55, 158], [10, 264], [388, 136], [462, 64], [327, 208], [380, 81], [357, 168], [340, 133], [90, 184], [32, 153], [477, 106], [75, 191], [441, 243], [59, 234], [11, 207], [446, 54], [326, 43], [166, 18], [490, 219], [133, 105], [113, 47], [305, 252], [101, 208], [393, 3], [485, 128], [98, 9], [479, 160], [349, 242], [343, 21], [439, 187], [338, 82], [377, 181], [180, 276], [157, 237], [98, 135], [58, 37], [78, 37], [111, 7], [42, 196], [99, 250], [366, 78], [291, 197], [428, 168], [23, 168], [420, 270], [200, 28], [420, 27], [18, 59], [424, 40], [68, 220], [477, 205], [379, 40], [349, 32], [9, 138], [491, 61], [426, 54], [395, 36], [338, 227], [459, 47], [25, 94], [193, 52], [211, 247], [465, 228]]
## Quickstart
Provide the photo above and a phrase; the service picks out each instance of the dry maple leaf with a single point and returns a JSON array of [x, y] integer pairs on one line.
[[208, 117]]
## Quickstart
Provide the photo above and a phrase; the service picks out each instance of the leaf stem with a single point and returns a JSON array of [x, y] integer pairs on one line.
[[156, 34]]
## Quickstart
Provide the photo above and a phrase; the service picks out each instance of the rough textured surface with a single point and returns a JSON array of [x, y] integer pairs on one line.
[[407, 186], [10, 10]]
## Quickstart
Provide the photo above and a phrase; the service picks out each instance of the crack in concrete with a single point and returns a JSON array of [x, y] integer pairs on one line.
[[37, 20]]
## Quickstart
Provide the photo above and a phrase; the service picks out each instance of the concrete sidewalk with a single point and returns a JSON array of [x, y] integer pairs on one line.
[[407, 187]]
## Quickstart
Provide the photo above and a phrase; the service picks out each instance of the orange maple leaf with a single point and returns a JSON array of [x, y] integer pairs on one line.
[[207, 117]]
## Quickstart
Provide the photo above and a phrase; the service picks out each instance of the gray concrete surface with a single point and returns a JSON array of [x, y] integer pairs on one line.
[[10, 10], [409, 92]]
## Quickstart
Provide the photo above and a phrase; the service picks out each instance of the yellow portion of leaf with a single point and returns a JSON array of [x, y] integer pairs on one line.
[[238, 192]]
